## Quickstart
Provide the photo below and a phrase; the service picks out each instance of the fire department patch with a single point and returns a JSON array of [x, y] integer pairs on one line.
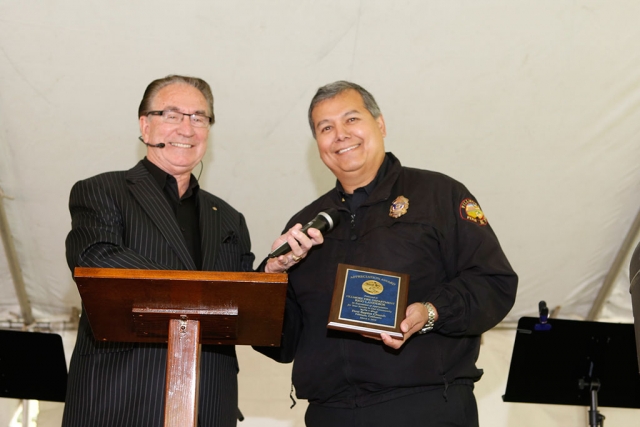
[[399, 207], [470, 210]]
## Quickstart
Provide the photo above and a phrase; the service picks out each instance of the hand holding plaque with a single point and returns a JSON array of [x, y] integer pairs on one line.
[[368, 301]]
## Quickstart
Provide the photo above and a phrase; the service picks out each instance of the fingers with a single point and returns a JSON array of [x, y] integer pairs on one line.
[[387, 340], [392, 342], [316, 236], [277, 265], [300, 244], [417, 316]]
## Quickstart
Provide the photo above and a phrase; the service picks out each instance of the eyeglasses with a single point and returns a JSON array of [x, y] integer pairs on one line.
[[175, 118]]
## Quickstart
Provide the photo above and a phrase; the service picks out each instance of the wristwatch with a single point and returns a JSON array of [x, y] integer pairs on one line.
[[431, 319]]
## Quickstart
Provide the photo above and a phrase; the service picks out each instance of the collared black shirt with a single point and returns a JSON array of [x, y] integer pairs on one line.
[[185, 208], [360, 194]]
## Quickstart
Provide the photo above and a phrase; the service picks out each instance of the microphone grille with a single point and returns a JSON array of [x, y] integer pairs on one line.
[[333, 217]]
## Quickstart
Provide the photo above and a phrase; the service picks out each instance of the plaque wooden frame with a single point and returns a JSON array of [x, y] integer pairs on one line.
[[361, 327], [183, 309]]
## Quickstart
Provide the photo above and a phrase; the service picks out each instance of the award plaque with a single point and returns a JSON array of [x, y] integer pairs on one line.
[[368, 301]]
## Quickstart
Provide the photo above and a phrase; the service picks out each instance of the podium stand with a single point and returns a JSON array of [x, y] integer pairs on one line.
[[184, 309], [574, 363]]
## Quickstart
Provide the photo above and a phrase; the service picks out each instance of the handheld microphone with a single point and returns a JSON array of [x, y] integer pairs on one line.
[[161, 145], [325, 221]]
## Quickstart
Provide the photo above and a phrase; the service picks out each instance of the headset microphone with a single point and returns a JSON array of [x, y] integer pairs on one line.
[[161, 145]]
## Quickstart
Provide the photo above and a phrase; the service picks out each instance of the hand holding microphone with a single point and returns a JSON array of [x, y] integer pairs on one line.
[[325, 221], [279, 261]]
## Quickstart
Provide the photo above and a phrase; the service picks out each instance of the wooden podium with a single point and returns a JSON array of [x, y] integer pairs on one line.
[[184, 309]]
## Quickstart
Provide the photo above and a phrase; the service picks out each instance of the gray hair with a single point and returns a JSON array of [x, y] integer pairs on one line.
[[334, 89], [156, 85]]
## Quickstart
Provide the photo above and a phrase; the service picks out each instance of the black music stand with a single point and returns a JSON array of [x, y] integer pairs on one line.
[[574, 363], [634, 278], [32, 366]]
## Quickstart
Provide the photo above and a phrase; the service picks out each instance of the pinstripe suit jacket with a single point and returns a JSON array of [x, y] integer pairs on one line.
[[122, 220]]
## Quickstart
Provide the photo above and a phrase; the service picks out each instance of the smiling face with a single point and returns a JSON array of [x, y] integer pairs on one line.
[[184, 145], [350, 140]]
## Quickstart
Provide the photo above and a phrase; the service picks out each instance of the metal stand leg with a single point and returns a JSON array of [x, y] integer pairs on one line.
[[596, 419]]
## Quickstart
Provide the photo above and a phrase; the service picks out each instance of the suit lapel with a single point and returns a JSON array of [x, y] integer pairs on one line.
[[209, 230], [150, 197]]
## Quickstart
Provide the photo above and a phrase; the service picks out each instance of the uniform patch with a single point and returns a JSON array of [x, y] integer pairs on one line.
[[470, 210], [399, 207]]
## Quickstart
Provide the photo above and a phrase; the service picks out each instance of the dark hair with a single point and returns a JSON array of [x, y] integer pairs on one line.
[[331, 90], [155, 86]]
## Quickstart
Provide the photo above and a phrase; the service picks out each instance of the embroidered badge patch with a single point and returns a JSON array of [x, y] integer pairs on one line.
[[470, 210], [399, 207]]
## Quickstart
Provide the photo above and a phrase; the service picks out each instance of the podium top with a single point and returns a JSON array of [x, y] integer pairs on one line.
[[180, 275], [547, 365], [136, 305]]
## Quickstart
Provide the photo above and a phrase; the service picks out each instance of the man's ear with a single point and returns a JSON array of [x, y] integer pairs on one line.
[[381, 125], [144, 128]]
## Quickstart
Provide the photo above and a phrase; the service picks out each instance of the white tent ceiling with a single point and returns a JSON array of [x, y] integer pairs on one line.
[[534, 105]]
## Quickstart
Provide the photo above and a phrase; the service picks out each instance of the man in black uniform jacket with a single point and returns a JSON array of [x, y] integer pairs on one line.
[[154, 216], [398, 219]]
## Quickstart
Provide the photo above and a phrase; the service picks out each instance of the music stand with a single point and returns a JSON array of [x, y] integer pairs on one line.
[[574, 363], [634, 289], [184, 309], [32, 366]]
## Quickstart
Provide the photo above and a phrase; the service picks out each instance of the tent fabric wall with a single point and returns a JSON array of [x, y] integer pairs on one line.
[[534, 105]]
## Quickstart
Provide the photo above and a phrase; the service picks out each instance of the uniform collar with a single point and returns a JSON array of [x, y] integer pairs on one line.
[[380, 188]]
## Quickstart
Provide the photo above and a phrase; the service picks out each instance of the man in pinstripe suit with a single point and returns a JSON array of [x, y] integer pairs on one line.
[[154, 216]]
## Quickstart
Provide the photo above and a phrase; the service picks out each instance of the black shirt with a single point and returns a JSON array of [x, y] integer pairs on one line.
[[359, 195], [185, 208]]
